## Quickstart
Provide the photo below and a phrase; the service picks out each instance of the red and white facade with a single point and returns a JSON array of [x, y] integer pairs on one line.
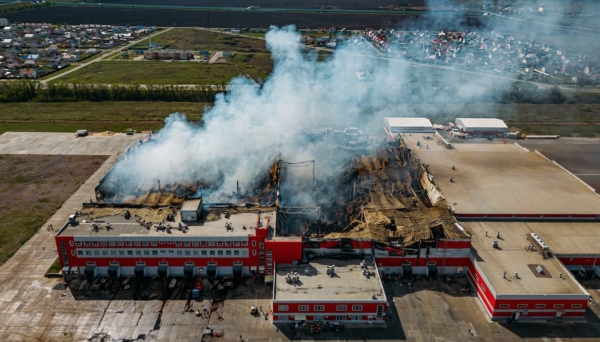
[[256, 253]]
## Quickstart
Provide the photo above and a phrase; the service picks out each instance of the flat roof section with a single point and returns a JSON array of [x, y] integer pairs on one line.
[[570, 238], [348, 283], [512, 257], [122, 227], [193, 204], [480, 123], [492, 179], [409, 124]]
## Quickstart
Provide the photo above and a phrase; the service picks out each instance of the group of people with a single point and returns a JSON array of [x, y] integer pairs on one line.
[[49, 228]]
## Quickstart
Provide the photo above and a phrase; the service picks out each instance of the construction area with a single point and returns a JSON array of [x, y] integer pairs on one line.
[[383, 194]]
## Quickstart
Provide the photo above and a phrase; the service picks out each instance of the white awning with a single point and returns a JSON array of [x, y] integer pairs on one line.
[[300, 317], [269, 278]]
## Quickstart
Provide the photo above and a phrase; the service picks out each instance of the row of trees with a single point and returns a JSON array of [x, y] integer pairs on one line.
[[24, 91]]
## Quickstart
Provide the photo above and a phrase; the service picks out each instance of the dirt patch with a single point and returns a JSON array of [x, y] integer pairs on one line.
[[32, 188]]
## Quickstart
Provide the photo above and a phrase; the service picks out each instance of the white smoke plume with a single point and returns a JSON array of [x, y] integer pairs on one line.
[[249, 126]]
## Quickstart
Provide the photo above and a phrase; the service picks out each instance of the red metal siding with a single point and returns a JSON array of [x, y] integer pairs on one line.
[[285, 252]]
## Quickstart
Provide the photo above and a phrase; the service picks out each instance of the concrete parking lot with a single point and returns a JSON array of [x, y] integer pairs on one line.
[[36, 308]]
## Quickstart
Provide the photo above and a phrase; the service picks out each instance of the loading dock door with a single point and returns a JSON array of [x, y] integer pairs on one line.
[[139, 271], [211, 271], [237, 271], [188, 271], [114, 271], [163, 271], [432, 271], [90, 272], [406, 271]]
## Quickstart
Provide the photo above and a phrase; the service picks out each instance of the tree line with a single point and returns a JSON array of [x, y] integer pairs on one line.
[[25, 91]]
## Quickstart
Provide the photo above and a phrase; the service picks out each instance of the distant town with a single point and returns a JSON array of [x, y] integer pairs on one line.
[[33, 50]]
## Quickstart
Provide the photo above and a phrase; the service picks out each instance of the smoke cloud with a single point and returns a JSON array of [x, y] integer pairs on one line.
[[250, 126]]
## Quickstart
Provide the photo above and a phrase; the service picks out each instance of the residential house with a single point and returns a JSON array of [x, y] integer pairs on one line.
[[28, 73]]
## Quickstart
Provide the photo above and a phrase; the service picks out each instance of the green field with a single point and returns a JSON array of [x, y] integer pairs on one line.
[[197, 39], [32, 188], [258, 66], [562, 119], [93, 116]]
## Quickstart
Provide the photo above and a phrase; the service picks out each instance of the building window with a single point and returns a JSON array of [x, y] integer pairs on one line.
[[261, 245], [227, 252], [103, 243], [138, 252], [73, 253], [136, 243], [178, 243], [302, 307], [179, 253], [522, 306], [170, 242], [341, 308], [576, 306], [254, 253], [95, 243], [111, 243], [254, 243], [96, 252], [319, 318], [186, 243], [356, 318], [129, 252], [71, 243], [211, 243], [88, 252], [203, 252], [476, 277], [186, 252], [227, 243], [195, 252], [212, 253], [80, 253], [220, 243], [146, 252], [120, 243], [220, 253], [104, 252], [236, 252], [161, 242], [154, 252], [504, 306], [244, 243], [113, 252], [86, 243], [319, 307], [340, 317], [78, 243], [236, 243], [194, 243], [282, 307], [128, 243], [171, 252], [121, 252], [356, 307], [482, 287], [558, 306], [540, 306], [145, 243], [203, 243]]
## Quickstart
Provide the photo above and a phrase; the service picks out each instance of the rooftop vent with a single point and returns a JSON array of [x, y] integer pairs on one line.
[[495, 244], [539, 241], [539, 270], [374, 295]]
